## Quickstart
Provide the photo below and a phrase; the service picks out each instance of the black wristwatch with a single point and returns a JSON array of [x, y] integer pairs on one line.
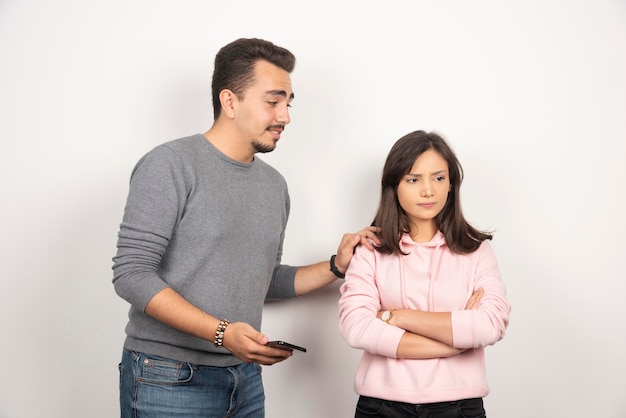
[[333, 268]]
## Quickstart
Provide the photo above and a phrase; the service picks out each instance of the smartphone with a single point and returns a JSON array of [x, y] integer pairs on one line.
[[286, 346]]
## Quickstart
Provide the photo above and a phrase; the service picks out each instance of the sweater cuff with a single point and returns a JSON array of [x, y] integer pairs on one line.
[[389, 340], [462, 329]]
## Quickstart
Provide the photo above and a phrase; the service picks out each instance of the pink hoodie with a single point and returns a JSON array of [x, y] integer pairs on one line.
[[430, 278]]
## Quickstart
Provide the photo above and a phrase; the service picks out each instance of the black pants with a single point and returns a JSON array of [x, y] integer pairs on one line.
[[368, 407]]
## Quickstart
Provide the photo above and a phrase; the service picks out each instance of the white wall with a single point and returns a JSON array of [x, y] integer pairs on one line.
[[532, 94]]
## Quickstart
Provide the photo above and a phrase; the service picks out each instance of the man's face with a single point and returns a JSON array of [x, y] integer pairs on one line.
[[263, 112]]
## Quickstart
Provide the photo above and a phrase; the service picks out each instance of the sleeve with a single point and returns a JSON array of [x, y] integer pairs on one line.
[[282, 285], [155, 204], [358, 306], [487, 324]]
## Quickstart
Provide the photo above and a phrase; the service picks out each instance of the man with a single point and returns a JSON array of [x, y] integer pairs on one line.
[[200, 246]]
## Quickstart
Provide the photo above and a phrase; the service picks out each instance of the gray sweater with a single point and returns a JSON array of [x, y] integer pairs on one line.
[[212, 229]]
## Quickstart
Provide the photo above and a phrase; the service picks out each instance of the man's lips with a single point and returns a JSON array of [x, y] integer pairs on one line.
[[276, 131]]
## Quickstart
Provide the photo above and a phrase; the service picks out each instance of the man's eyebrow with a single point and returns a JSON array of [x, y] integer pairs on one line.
[[279, 93]]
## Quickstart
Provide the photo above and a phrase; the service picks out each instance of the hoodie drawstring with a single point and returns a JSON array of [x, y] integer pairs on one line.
[[436, 262]]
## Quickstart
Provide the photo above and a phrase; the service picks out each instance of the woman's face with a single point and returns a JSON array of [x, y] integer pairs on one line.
[[423, 192]]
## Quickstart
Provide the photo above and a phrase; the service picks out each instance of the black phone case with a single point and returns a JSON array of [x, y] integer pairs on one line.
[[286, 346]]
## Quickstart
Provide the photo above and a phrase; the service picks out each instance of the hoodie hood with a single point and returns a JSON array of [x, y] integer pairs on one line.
[[406, 243]]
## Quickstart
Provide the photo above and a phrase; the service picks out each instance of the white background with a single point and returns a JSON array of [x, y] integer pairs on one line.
[[532, 95]]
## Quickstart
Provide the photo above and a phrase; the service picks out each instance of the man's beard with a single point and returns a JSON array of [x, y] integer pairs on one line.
[[263, 148]]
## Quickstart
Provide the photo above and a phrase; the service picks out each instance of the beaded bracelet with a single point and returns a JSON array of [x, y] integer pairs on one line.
[[219, 333]]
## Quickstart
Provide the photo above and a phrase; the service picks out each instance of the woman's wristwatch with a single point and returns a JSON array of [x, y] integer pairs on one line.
[[387, 315]]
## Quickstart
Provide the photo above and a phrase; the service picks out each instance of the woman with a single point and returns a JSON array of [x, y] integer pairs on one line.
[[426, 302]]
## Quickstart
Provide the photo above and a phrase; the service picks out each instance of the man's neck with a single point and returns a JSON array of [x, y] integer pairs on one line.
[[229, 145]]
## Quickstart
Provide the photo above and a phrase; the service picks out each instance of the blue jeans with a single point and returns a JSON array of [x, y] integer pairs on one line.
[[373, 407], [152, 386]]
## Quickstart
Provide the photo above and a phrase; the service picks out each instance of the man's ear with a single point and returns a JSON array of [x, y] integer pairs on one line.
[[228, 101]]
